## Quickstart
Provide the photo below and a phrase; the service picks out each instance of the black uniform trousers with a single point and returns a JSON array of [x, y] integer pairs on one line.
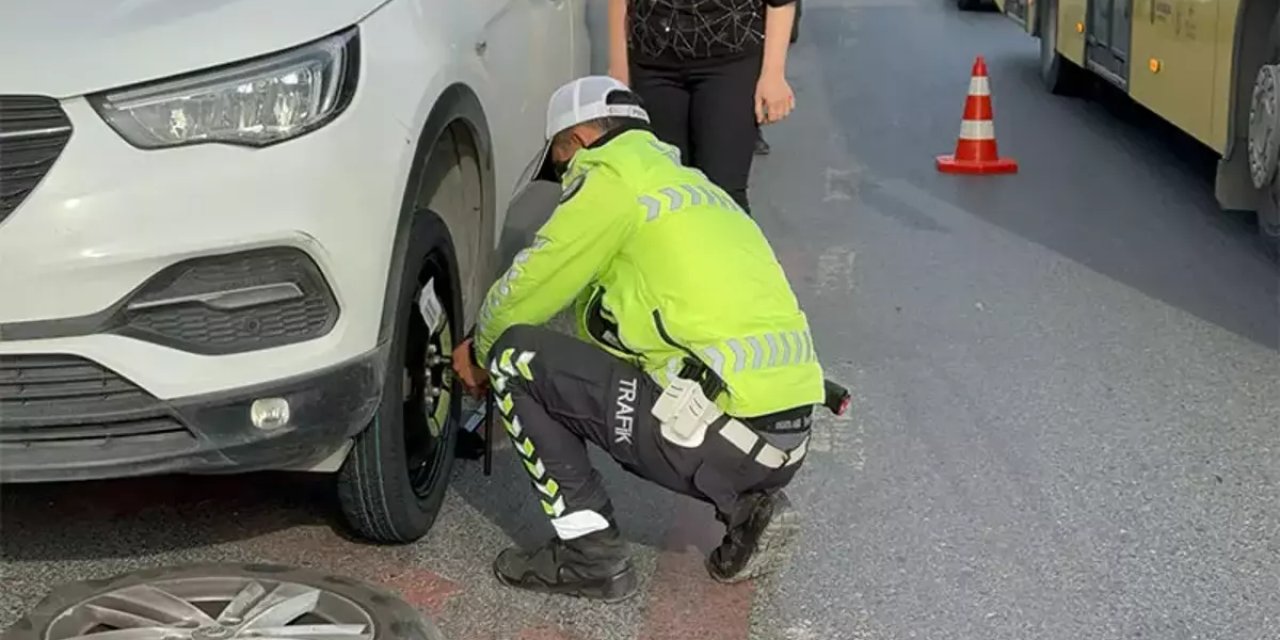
[[555, 393], [707, 110]]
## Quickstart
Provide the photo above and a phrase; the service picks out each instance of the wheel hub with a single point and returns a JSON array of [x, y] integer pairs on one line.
[[214, 608], [438, 381], [215, 632], [436, 369], [1264, 143], [427, 393]]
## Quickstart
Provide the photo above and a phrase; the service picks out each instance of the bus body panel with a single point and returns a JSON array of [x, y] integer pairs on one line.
[[1181, 57], [1229, 15], [1182, 60], [1071, 21], [1174, 64]]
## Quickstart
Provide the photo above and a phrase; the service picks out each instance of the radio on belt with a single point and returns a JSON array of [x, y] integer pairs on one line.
[[837, 398]]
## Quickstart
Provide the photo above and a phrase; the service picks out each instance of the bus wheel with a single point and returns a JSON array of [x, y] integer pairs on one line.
[[1264, 137], [1060, 76]]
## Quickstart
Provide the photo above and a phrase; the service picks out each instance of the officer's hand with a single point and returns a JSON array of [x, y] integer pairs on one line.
[[475, 379], [774, 98]]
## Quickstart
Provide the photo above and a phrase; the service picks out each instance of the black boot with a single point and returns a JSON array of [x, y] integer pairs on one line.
[[758, 543], [594, 566]]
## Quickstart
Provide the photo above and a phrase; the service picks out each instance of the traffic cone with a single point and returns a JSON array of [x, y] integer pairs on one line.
[[976, 151]]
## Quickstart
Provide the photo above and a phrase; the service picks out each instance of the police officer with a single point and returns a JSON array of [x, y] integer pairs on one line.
[[694, 367]]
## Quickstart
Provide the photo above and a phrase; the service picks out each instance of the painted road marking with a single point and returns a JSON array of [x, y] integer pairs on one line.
[[684, 602], [835, 268]]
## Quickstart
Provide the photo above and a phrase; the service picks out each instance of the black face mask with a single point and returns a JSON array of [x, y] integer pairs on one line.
[[560, 168]]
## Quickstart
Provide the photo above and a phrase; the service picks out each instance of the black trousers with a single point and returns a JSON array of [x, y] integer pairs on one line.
[[708, 111], [555, 393]]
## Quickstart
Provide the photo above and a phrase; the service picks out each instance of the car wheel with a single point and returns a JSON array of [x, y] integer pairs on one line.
[[968, 5], [222, 602], [1264, 139], [1059, 75], [394, 480]]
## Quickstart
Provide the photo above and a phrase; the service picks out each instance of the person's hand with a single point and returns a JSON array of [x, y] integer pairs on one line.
[[474, 379], [774, 99]]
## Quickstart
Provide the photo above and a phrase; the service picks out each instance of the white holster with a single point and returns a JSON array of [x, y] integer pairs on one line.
[[685, 412]]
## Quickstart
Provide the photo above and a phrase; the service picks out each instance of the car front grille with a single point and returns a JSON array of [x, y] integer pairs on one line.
[[33, 132], [67, 400]]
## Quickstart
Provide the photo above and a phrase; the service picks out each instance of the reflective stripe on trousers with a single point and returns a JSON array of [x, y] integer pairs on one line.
[[746, 441]]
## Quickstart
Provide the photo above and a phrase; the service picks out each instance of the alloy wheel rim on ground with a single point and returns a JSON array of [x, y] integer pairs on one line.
[[427, 404], [214, 608]]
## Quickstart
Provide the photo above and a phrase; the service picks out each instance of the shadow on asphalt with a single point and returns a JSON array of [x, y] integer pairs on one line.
[[144, 516], [508, 500]]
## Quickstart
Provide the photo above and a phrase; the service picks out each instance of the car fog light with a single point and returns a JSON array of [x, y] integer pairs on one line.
[[269, 413]]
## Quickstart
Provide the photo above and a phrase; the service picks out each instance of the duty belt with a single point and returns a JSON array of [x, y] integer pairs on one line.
[[745, 439], [748, 439]]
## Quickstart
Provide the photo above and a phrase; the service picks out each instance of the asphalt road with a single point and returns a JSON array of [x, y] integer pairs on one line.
[[1067, 394]]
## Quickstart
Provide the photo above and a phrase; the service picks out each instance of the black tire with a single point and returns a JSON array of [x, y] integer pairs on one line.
[[391, 617], [1059, 75], [1269, 198], [381, 498], [968, 5]]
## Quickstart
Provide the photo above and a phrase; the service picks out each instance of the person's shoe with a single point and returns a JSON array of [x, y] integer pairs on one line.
[[762, 147], [595, 566], [759, 545]]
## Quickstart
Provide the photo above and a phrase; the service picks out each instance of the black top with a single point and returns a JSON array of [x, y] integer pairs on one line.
[[678, 32]]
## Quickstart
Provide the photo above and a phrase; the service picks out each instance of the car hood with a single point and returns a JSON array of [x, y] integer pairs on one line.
[[66, 48]]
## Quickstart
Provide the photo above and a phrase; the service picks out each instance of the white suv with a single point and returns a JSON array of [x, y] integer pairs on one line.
[[239, 235]]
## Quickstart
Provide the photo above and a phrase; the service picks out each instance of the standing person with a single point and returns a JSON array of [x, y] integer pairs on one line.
[[762, 146], [710, 72], [694, 367]]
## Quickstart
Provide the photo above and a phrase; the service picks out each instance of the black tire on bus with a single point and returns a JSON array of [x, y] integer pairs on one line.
[[1269, 202], [968, 5], [1059, 75]]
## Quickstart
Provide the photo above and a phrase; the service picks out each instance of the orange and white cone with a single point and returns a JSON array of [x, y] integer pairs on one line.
[[976, 151]]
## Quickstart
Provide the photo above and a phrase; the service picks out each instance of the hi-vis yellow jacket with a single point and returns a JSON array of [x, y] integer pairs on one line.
[[662, 264]]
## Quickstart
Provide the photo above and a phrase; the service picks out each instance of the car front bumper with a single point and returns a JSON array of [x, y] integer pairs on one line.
[[122, 431]]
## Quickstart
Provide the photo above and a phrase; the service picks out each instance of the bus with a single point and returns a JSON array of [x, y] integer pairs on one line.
[[1209, 67]]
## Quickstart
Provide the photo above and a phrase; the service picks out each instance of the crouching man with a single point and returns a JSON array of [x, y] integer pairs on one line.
[[694, 368]]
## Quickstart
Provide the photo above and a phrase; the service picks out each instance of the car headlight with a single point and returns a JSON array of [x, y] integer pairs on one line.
[[255, 103]]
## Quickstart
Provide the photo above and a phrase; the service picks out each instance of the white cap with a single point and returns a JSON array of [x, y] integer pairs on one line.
[[587, 99], [580, 101]]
